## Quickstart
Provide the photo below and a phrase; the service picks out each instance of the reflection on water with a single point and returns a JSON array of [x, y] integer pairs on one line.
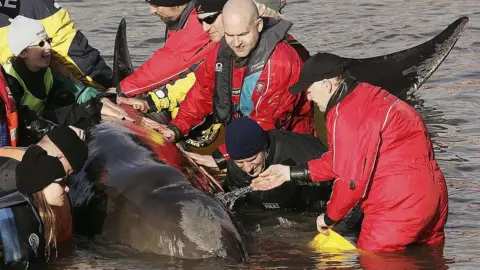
[[448, 102]]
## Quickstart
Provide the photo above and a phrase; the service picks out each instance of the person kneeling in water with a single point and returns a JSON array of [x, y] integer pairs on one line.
[[252, 150], [41, 173], [34, 85], [381, 156]]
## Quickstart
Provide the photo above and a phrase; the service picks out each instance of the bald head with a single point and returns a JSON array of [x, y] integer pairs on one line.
[[242, 26], [244, 10]]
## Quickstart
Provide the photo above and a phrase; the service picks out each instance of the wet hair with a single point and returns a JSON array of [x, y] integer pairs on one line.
[[49, 219]]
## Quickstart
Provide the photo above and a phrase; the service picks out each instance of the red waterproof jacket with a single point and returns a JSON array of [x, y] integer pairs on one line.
[[180, 54], [381, 156], [271, 100]]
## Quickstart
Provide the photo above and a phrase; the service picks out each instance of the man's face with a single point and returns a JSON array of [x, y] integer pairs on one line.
[[253, 166], [242, 37], [319, 93], [38, 53], [168, 15], [212, 23]]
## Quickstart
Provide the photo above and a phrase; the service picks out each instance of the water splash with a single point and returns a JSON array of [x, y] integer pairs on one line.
[[285, 223], [229, 198]]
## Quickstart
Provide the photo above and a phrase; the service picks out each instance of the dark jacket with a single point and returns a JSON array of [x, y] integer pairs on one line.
[[286, 148], [61, 109]]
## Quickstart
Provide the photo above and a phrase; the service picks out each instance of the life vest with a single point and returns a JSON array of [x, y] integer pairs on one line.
[[223, 110], [21, 228], [9, 137], [28, 99]]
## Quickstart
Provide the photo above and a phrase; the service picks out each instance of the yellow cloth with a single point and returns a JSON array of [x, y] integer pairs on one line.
[[176, 94], [28, 98]]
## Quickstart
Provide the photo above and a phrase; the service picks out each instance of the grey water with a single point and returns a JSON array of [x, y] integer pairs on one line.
[[448, 102]]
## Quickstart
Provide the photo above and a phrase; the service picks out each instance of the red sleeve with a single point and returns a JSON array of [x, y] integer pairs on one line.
[[182, 51], [198, 102], [321, 169], [276, 106]]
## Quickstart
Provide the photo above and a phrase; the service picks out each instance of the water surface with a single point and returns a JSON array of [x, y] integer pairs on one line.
[[448, 102]]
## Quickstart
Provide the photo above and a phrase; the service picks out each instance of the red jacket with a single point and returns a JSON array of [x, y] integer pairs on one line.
[[271, 100], [381, 155], [180, 54]]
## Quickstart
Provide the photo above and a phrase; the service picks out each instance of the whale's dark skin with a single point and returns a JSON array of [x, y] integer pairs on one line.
[[134, 190]]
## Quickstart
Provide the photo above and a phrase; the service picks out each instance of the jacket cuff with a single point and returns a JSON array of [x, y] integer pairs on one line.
[[178, 134], [300, 174], [120, 92], [219, 159], [111, 96], [328, 220], [152, 107]]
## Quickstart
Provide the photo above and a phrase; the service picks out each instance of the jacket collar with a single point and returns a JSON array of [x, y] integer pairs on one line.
[[182, 20], [345, 88]]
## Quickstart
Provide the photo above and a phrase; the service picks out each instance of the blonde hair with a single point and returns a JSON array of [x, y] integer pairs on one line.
[[49, 219]]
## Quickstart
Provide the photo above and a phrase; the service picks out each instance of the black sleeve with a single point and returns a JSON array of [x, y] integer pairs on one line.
[[78, 115], [300, 174], [32, 127]]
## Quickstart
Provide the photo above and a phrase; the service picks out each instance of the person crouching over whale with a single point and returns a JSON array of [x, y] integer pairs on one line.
[[381, 156], [252, 150], [40, 173], [34, 85]]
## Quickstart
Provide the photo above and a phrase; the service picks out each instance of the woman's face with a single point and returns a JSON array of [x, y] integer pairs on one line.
[[56, 192], [38, 53]]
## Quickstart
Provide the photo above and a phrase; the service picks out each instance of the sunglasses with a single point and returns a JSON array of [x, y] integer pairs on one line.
[[62, 182], [209, 19], [42, 43]]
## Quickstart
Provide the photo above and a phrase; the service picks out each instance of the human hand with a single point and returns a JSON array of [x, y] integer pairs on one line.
[[203, 160], [111, 109], [137, 104], [166, 132], [322, 227], [271, 178], [80, 132]]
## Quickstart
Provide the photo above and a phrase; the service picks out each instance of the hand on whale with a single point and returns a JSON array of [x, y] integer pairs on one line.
[[137, 104], [110, 109], [167, 133]]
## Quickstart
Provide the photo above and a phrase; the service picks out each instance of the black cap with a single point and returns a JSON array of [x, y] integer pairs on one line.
[[37, 170], [207, 6], [244, 138], [73, 148], [167, 3], [319, 67]]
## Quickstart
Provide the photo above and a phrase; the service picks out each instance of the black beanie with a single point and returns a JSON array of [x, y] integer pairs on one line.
[[207, 6], [244, 138], [73, 148], [167, 3], [37, 170]]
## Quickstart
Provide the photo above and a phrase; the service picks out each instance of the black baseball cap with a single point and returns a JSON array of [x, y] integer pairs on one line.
[[319, 67]]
